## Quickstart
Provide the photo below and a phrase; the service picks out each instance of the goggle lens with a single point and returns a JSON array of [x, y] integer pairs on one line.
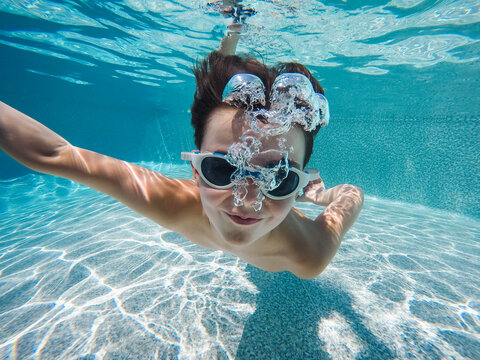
[[287, 186], [217, 171]]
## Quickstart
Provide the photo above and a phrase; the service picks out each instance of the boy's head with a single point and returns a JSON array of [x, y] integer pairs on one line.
[[265, 172], [215, 71]]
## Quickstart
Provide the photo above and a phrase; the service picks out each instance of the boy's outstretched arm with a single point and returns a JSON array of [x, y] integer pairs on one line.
[[34, 145], [27, 141]]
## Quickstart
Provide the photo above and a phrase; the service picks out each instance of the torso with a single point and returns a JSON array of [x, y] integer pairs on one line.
[[290, 247]]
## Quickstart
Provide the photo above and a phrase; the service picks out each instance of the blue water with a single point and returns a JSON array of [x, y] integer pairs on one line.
[[83, 277]]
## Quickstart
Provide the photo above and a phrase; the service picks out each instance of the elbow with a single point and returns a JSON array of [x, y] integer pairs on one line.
[[355, 193], [318, 259], [360, 193], [310, 274], [353, 198], [50, 162], [359, 202]]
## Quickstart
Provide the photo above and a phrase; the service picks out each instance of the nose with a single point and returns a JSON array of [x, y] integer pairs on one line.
[[253, 192]]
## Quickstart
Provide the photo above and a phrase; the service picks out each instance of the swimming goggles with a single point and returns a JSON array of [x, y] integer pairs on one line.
[[217, 172], [292, 97]]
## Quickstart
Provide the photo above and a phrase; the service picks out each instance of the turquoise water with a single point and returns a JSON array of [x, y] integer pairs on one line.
[[83, 277]]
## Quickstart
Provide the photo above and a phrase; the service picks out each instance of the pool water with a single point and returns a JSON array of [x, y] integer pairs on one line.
[[84, 277]]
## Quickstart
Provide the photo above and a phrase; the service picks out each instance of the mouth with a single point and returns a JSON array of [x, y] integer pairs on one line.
[[243, 220]]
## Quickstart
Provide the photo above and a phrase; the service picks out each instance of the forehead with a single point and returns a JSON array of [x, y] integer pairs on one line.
[[226, 125]]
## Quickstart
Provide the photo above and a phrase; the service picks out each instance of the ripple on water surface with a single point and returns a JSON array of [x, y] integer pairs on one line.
[[138, 35]]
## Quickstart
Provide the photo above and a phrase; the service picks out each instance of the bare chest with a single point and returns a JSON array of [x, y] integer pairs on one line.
[[290, 247], [283, 252]]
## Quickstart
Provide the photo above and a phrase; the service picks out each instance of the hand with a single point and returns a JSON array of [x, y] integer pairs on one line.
[[312, 191], [235, 28]]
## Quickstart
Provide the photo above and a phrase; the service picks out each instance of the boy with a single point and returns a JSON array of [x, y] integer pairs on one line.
[[257, 221]]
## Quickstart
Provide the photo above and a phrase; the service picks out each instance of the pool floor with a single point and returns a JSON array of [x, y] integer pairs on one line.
[[84, 277]]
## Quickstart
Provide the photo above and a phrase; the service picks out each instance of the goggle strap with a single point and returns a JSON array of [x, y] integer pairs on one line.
[[188, 156]]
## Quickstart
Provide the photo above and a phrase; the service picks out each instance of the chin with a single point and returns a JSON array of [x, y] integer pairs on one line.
[[238, 238]]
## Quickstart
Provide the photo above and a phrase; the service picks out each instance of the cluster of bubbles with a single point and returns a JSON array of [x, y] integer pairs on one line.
[[292, 101], [242, 155]]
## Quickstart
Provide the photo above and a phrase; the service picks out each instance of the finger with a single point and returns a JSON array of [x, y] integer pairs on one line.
[[308, 187]]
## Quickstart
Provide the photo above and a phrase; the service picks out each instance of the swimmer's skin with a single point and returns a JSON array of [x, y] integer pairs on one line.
[[283, 239]]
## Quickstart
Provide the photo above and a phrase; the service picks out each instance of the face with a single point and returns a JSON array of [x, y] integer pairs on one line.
[[241, 226]]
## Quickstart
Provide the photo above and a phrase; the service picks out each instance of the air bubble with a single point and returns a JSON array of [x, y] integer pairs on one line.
[[293, 101]]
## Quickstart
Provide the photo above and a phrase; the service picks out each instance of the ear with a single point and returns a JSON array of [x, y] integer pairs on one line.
[[196, 176]]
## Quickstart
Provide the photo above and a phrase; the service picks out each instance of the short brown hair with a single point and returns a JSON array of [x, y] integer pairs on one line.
[[213, 73]]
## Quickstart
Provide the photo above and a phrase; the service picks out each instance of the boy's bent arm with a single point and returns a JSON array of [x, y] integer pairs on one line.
[[34, 145], [343, 205]]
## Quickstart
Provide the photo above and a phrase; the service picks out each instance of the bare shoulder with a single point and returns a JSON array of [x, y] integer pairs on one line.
[[173, 202], [311, 248]]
